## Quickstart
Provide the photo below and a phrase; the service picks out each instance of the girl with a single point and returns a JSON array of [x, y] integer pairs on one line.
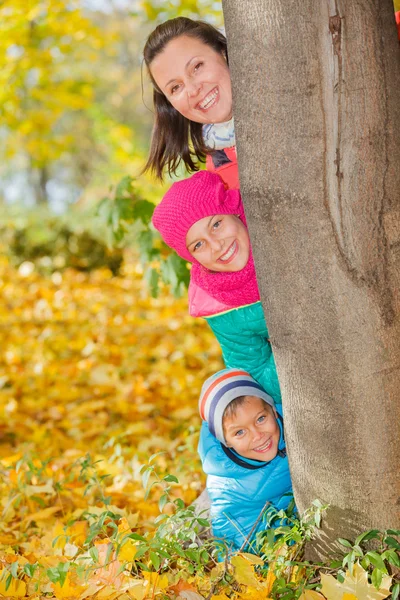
[[187, 62], [205, 224], [242, 449]]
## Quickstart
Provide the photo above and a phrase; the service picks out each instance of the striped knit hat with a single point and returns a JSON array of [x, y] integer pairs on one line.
[[219, 390]]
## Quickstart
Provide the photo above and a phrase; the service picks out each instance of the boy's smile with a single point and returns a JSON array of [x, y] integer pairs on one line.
[[219, 243], [253, 431]]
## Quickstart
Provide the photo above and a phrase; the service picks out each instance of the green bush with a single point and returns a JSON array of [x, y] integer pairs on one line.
[[54, 243]]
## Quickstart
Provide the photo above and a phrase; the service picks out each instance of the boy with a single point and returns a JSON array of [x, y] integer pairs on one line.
[[243, 453]]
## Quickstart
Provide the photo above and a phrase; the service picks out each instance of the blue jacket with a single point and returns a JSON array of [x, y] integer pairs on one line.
[[240, 487], [243, 336]]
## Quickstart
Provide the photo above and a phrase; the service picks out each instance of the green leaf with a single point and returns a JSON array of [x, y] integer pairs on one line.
[[143, 210], [396, 591], [155, 560], [367, 535], [376, 578], [146, 476], [345, 543], [153, 279], [390, 541], [135, 536], [30, 569], [94, 554], [392, 557], [162, 502], [124, 187], [179, 503], [270, 537], [8, 581], [171, 479], [153, 457], [14, 569], [377, 560], [335, 564], [161, 518]]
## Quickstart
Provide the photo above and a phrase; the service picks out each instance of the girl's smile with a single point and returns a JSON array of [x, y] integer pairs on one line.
[[219, 243], [195, 79]]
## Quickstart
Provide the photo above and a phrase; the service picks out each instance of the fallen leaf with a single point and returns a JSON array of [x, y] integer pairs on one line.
[[16, 589], [311, 595], [244, 571], [355, 584]]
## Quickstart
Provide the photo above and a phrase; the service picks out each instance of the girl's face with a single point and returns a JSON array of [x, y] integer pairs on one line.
[[219, 243], [253, 430], [195, 79]]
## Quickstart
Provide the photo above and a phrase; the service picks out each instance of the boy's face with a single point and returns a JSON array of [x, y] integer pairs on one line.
[[253, 430], [219, 243]]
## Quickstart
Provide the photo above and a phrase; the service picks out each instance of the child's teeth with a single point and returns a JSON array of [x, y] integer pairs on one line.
[[229, 253], [263, 446]]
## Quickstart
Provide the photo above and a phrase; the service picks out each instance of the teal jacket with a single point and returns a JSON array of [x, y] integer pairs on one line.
[[243, 336]]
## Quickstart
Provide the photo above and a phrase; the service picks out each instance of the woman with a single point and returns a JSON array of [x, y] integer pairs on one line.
[[188, 64]]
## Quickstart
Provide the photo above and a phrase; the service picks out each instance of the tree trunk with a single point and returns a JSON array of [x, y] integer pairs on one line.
[[316, 89]]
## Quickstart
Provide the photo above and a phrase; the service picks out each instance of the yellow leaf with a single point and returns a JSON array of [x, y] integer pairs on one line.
[[138, 590], [68, 590], [244, 571], [252, 558], [189, 595], [78, 532], [269, 582], [42, 515], [355, 584], [16, 589], [311, 595], [127, 551], [156, 581]]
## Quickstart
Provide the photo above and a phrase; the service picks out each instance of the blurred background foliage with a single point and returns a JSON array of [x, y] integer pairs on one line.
[[75, 126]]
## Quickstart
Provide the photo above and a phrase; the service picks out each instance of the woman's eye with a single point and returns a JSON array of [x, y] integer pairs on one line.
[[174, 89], [197, 67], [217, 224]]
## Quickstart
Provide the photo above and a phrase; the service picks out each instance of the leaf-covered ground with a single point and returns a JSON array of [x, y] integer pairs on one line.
[[92, 371], [98, 400]]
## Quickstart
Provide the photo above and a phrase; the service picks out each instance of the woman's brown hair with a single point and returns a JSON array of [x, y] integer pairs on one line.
[[175, 138]]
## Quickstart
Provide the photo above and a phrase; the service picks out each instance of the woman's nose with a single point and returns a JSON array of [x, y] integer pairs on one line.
[[192, 88]]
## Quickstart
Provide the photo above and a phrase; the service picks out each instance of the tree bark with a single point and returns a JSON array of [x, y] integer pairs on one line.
[[316, 89]]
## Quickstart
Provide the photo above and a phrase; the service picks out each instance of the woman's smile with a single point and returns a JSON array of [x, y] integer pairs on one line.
[[210, 100], [195, 79]]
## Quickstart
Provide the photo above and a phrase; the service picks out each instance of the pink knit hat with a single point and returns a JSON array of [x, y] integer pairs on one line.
[[186, 202]]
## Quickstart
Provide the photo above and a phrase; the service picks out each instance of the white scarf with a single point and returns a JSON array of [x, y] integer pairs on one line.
[[218, 136]]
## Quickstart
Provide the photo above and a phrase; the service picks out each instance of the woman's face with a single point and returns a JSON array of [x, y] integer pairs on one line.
[[219, 243], [195, 79]]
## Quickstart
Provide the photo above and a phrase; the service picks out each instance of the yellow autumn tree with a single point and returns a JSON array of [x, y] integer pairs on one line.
[[39, 44]]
